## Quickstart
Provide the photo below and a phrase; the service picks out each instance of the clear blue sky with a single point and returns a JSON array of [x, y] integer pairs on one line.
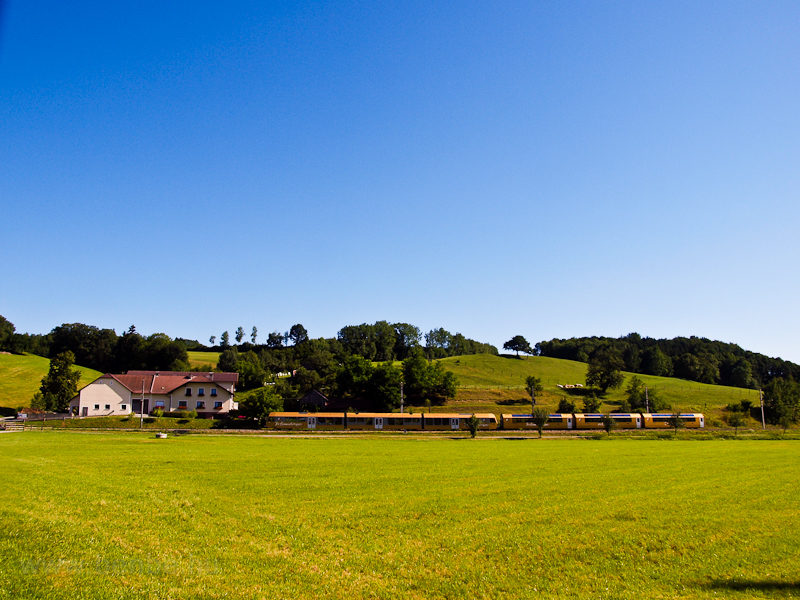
[[550, 169]]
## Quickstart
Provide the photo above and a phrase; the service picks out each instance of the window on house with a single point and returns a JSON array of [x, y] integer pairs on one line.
[[181, 403], [213, 391], [217, 404], [124, 407], [97, 407], [201, 404], [108, 407], [188, 391], [159, 404], [201, 391]]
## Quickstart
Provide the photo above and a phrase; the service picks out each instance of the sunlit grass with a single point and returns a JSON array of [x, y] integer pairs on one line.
[[129, 516], [21, 376]]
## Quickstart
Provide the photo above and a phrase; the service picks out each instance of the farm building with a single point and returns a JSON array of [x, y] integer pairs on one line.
[[210, 394]]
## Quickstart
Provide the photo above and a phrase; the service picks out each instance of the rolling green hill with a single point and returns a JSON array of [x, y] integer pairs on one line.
[[497, 384], [20, 377]]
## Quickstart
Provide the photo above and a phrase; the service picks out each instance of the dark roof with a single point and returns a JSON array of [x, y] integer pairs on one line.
[[314, 397]]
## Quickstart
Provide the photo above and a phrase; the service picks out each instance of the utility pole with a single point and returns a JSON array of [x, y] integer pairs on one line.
[[646, 399], [533, 397], [401, 396], [141, 408], [761, 398]]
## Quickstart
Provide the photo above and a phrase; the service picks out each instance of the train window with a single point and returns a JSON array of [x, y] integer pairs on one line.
[[556, 419], [337, 420]]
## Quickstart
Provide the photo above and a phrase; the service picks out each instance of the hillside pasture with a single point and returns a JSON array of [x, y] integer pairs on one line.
[[21, 376], [497, 383], [128, 516], [201, 359]]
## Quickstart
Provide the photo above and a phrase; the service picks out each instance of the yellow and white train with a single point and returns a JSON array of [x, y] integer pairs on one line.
[[331, 421]]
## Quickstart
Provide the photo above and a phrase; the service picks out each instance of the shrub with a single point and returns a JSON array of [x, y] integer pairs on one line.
[[157, 413], [565, 407], [191, 414]]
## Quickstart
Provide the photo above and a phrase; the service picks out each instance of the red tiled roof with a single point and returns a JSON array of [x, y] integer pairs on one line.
[[213, 375], [161, 382]]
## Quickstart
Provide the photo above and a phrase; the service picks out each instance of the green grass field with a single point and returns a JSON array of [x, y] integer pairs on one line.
[[20, 377], [200, 359], [128, 516], [496, 384]]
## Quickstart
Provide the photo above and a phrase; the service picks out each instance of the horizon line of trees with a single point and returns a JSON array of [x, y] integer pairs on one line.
[[693, 358]]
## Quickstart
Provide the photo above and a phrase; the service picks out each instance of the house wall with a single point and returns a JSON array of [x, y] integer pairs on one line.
[[102, 393], [223, 396]]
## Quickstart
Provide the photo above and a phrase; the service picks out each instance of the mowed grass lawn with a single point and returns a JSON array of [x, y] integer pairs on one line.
[[129, 516]]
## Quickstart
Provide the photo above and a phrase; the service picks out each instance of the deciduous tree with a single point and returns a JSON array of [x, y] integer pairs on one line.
[[60, 384], [518, 344], [605, 369]]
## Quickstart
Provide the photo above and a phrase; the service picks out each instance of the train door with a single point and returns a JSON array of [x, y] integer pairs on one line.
[[570, 424], [378, 422], [638, 421], [312, 422], [454, 423]]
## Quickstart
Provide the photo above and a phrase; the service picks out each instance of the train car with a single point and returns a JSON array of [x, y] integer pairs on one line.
[[402, 421], [304, 421], [456, 421], [627, 420], [589, 421], [556, 421], [662, 420]]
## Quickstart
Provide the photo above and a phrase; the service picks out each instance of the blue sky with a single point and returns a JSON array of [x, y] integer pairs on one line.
[[547, 169]]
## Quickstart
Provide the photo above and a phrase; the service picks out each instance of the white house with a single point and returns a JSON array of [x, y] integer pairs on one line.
[[210, 394]]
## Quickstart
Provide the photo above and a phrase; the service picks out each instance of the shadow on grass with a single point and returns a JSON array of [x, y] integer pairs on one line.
[[523, 401], [743, 585]]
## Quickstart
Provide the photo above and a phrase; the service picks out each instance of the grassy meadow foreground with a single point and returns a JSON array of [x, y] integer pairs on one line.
[[128, 516]]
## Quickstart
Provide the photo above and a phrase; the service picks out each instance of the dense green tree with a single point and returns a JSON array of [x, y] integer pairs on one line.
[[437, 343], [298, 334], [254, 334], [227, 360], [782, 399], [353, 378], [407, 337], [225, 340], [239, 334], [385, 340], [655, 362], [212, 340], [274, 340], [251, 370], [60, 384], [260, 402], [605, 369], [383, 387], [161, 353], [427, 380], [91, 346], [6, 334], [518, 344]]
